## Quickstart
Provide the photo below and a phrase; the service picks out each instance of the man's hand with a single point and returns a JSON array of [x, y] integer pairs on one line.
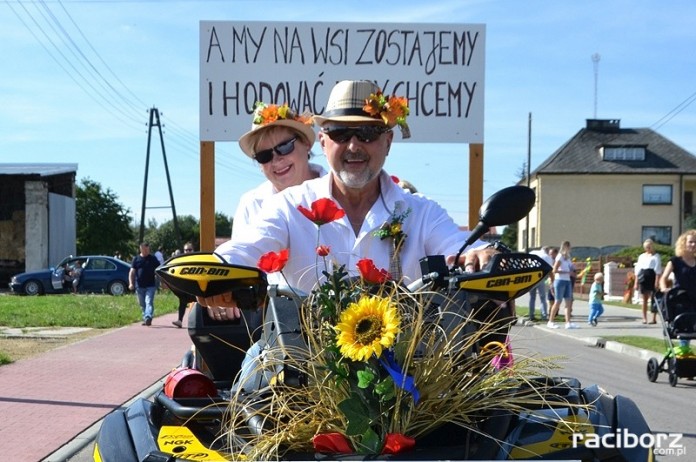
[[474, 260], [221, 307]]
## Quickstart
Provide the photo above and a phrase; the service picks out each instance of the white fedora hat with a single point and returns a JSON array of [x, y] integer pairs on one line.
[[362, 101]]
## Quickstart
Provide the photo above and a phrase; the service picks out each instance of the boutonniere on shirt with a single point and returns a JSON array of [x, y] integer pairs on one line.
[[393, 228]]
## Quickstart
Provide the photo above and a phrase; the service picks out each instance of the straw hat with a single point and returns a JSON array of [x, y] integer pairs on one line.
[[363, 101], [271, 115]]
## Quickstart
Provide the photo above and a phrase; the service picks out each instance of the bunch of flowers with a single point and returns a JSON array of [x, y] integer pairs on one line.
[[268, 113], [381, 368], [392, 110]]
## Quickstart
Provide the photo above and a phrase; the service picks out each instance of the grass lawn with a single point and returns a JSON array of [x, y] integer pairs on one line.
[[82, 310], [99, 312], [646, 343]]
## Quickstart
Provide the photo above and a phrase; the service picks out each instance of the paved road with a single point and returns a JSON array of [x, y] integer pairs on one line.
[[579, 344], [664, 407]]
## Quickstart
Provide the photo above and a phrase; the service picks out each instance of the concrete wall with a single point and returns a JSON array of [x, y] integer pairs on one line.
[[36, 231]]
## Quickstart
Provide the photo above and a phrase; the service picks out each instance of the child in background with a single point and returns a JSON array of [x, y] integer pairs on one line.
[[596, 297]]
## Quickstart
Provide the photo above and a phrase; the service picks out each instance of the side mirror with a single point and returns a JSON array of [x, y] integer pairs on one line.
[[506, 206]]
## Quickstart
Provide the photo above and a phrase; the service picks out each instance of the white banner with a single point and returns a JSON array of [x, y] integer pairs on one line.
[[438, 67]]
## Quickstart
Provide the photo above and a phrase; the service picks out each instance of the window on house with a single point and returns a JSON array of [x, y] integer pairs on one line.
[[659, 234], [657, 194], [532, 242], [622, 152]]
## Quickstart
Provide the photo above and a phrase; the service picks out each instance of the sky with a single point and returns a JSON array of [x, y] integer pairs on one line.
[[79, 76]]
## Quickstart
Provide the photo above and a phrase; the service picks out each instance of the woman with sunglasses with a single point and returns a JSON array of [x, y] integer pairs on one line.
[[280, 141]]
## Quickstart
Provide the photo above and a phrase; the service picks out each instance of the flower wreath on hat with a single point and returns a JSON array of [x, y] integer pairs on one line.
[[392, 110], [266, 115]]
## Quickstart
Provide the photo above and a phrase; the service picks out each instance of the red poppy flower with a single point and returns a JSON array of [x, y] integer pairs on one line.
[[396, 442], [323, 250], [323, 211], [270, 262], [371, 273], [395, 179], [331, 443]]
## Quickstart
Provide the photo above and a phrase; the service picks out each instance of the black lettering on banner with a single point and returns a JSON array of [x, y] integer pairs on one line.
[[250, 45], [214, 42], [360, 59], [437, 98], [426, 49], [301, 97], [285, 45], [333, 49], [426, 98]]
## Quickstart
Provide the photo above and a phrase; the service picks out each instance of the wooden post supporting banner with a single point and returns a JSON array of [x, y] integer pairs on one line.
[[475, 183], [207, 236]]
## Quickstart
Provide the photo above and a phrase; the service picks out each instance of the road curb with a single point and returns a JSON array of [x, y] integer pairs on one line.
[[601, 342], [81, 441]]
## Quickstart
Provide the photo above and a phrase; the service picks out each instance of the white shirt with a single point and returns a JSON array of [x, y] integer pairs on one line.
[[280, 225], [250, 203], [645, 261], [566, 267], [543, 255]]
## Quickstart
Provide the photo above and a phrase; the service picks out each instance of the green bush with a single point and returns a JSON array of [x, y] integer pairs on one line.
[[665, 251]]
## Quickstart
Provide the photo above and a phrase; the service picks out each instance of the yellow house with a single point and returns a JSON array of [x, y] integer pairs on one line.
[[611, 186]]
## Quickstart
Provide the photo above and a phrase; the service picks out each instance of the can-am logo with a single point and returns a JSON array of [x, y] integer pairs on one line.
[[660, 443]]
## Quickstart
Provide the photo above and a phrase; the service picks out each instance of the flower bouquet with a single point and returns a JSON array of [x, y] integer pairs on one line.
[[383, 367]]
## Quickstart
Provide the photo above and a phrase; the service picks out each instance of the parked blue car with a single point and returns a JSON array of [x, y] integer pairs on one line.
[[100, 274]]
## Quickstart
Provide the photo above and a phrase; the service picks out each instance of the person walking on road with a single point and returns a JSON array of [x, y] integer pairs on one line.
[[648, 269], [563, 289], [596, 297], [683, 265], [541, 289], [142, 279], [183, 303]]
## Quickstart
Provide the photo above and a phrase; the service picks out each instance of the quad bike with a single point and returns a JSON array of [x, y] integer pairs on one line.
[[186, 418]]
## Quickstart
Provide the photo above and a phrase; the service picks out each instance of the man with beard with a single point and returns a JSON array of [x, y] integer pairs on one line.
[[356, 135]]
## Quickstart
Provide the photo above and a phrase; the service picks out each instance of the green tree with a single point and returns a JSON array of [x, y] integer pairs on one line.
[[103, 224], [223, 225], [509, 237], [164, 235]]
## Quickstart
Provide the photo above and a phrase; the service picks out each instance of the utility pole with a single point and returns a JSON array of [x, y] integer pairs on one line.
[[528, 174], [155, 122]]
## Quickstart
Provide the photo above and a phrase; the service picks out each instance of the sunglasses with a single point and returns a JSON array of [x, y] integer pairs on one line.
[[364, 133], [188, 250], [282, 149]]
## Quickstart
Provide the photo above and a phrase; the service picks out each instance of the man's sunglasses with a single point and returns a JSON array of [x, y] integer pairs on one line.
[[364, 133], [282, 149]]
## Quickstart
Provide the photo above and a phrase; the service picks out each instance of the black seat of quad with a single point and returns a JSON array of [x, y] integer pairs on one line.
[[223, 344]]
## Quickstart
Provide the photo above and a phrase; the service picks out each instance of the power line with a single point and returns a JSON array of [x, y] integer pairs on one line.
[[674, 112]]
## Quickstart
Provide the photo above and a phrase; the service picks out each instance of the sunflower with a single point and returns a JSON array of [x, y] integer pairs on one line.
[[366, 327]]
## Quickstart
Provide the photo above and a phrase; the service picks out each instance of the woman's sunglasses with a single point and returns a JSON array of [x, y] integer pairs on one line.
[[364, 133], [282, 149]]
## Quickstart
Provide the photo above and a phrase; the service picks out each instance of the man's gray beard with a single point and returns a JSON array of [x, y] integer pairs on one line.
[[356, 181]]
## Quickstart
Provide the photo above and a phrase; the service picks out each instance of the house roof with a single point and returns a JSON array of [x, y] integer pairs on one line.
[[36, 169], [581, 153]]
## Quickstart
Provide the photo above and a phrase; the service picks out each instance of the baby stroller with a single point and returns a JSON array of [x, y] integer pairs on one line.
[[678, 315]]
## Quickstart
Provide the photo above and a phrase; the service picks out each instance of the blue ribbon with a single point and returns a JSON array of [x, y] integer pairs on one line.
[[403, 381]]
